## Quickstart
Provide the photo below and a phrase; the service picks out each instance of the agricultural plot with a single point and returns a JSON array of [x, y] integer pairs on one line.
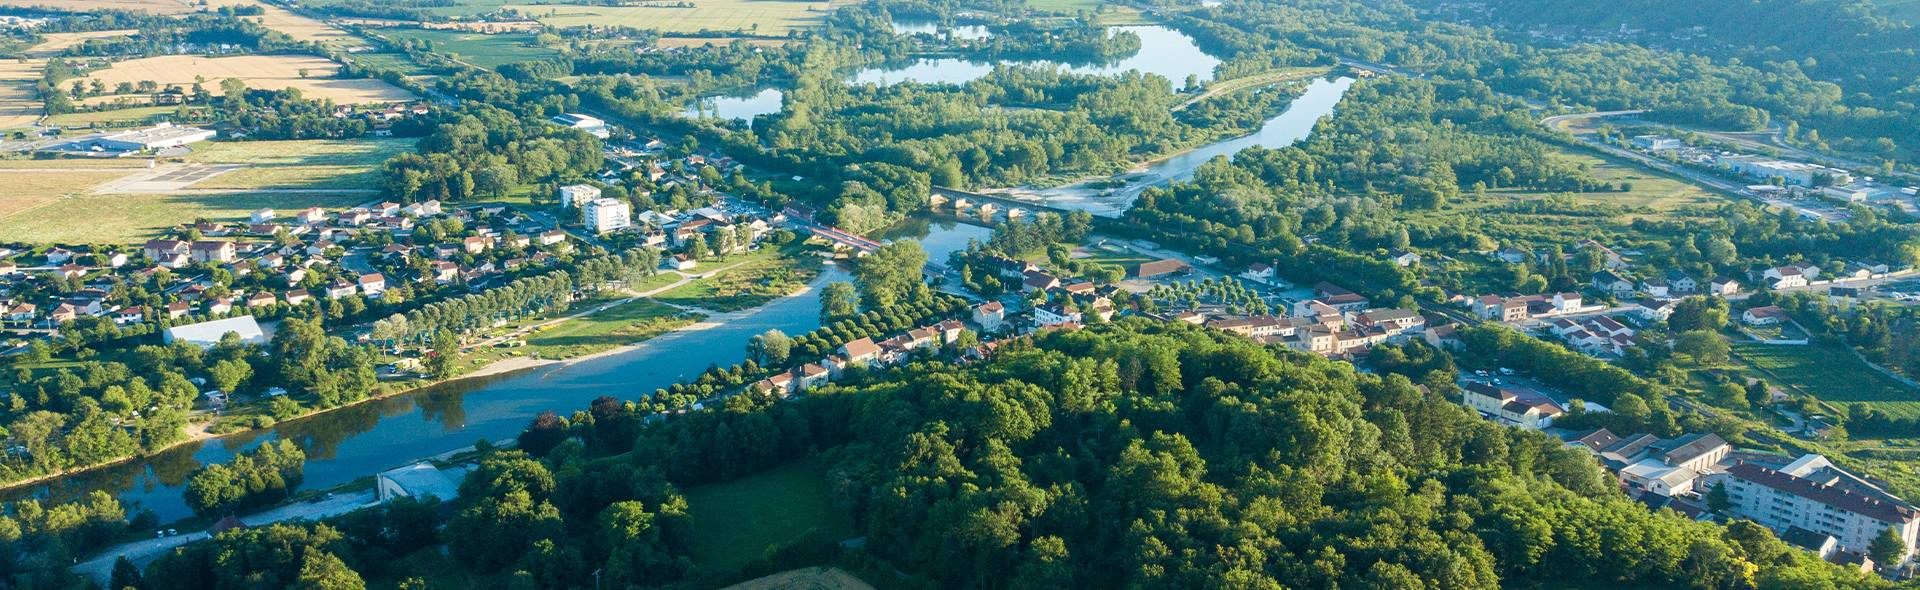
[[738, 521], [322, 164], [258, 71], [30, 190], [772, 18], [153, 6], [114, 118], [1834, 376], [52, 44], [19, 103], [477, 48]]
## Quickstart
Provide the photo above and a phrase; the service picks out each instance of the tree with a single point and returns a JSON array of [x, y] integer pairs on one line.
[[445, 347], [1706, 348], [1888, 548], [889, 275], [1717, 499], [125, 575], [770, 347], [838, 300]]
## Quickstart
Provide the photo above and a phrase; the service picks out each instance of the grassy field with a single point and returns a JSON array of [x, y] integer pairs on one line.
[[398, 62], [127, 218], [153, 6], [258, 71], [303, 164], [1064, 5], [759, 17], [738, 521], [806, 578], [477, 48], [761, 276], [28, 191], [52, 44], [116, 118], [623, 324], [1834, 376]]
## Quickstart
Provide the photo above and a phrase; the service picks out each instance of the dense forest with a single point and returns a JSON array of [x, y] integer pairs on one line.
[[1128, 454]]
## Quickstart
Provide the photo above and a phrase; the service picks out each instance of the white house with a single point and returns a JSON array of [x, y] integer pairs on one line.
[[1763, 316]]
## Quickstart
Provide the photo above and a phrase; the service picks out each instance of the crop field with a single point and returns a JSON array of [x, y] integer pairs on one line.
[[477, 48], [772, 18], [19, 102], [736, 522], [398, 62], [54, 43], [153, 6], [258, 71], [1833, 376]]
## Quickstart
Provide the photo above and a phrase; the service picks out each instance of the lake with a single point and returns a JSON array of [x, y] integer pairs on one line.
[[1163, 51]]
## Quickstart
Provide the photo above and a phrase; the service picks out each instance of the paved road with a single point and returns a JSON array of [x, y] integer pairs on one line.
[[100, 568]]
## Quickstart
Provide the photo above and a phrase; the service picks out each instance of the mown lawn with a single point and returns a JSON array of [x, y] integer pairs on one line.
[[1832, 375], [738, 521], [623, 324], [761, 276]]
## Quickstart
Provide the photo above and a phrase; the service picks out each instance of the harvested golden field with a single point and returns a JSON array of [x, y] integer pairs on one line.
[[303, 28], [54, 43], [19, 103], [258, 71], [153, 6]]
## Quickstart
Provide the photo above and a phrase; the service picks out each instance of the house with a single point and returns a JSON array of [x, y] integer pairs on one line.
[[130, 315], [219, 306], [682, 262], [373, 283], [1763, 316], [1813, 494], [207, 334], [1055, 315], [260, 299], [1792, 275], [163, 250], [475, 244], [1403, 258], [1680, 283], [261, 216], [340, 289], [1340, 298], [1513, 407], [21, 313], [1037, 280], [990, 315], [1656, 287], [1504, 309], [298, 296], [58, 255], [1567, 302], [178, 309], [211, 251], [809, 376], [1258, 271], [1723, 286], [311, 215], [1654, 310], [1160, 268], [1611, 282], [860, 351]]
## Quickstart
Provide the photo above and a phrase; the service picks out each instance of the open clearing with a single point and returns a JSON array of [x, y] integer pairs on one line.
[[258, 71], [33, 188], [116, 118], [738, 521], [122, 218], [1833, 376], [806, 578], [761, 17], [317, 164]]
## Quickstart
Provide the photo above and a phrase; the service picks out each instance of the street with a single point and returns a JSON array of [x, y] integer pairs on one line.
[[100, 568]]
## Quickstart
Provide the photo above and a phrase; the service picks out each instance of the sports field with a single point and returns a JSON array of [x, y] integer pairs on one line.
[[759, 17], [258, 71], [738, 521], [1834, 376]]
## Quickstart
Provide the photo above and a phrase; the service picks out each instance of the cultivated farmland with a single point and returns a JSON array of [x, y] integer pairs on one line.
[[479, 49], [19, 102], [760, 17], [1833, 376], [258, 71]]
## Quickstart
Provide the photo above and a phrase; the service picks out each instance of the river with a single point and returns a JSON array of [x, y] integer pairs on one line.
[[1291, 125], [358, 441]]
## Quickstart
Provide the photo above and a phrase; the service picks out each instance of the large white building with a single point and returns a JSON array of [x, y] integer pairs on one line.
[[1813, 494], [164, 135], [605, 215], [1513, 407], [1796, 173], [576, 196], [207, 334], [592, 125]]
